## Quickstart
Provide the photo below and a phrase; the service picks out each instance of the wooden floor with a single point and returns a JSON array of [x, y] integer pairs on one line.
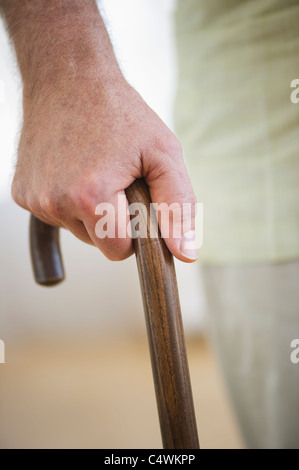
[[87, 393]]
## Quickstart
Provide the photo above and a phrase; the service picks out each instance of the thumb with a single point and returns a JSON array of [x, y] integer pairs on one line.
[[174, 201]]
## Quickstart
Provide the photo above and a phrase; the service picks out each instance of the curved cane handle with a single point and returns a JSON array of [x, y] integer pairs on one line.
[[45, 253], [162, 313]]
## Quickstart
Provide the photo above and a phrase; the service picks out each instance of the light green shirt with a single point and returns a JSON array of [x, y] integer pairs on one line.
[[238, 126]]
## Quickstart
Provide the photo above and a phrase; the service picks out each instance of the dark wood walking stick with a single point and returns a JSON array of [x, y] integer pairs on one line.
[[162, 313]]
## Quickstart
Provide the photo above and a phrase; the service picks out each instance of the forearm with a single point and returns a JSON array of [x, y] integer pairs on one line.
[[59, 41]]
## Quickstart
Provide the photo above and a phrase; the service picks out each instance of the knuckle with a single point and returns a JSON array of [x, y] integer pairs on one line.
[[45, 203], [33, 205], [50, 205], [169, 146], [186, 195], [165, 157], [15, 192], [190, 197], [86, 195], [18, 194], [82, 200]]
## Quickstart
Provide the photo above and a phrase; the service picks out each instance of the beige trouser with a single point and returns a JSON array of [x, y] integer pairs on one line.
[[254, 316]]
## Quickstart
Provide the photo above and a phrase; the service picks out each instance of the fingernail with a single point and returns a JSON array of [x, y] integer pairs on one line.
[[189, 247]]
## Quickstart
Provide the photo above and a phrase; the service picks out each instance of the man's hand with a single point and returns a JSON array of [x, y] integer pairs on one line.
[[87, 135]]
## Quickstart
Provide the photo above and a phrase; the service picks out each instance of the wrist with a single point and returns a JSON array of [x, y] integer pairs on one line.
[[59, 44]]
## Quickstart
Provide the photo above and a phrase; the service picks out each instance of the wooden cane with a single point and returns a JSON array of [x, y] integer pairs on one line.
[[162, 313]]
